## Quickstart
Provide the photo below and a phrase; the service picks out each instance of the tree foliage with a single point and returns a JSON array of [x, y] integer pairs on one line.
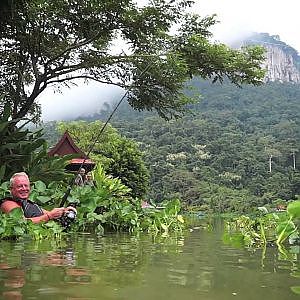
[[23, 150], [119, 156], [54, 43], [218, 157]]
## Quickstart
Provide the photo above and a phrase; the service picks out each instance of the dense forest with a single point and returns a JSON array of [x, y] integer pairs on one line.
[[236, 149]]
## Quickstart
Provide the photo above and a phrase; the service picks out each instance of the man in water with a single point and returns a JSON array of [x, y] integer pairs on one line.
[[20, 190]]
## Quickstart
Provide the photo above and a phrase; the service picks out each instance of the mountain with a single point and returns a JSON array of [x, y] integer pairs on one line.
[[282, 61], [236, 149]]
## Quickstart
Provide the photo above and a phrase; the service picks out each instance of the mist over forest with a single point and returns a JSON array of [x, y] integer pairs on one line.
[[237, 148]]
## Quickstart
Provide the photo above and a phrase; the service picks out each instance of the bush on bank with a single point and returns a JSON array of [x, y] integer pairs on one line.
[[106, 207]]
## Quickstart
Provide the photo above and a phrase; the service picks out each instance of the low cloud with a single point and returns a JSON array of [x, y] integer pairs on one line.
[[77, 101], [239, 18]]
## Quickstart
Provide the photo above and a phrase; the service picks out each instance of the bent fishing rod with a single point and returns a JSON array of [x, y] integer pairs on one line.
[[95, 140]]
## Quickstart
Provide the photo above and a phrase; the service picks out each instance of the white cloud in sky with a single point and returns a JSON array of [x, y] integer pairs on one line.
[[77, 101], [238, 17]]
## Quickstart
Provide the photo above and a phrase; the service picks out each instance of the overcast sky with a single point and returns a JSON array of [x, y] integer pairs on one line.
[[77, 101], [237, 19]]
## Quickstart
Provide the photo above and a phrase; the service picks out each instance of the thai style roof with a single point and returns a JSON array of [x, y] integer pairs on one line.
[[66, 146]]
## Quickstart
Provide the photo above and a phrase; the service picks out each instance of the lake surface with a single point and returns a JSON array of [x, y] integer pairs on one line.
[[197, 265]]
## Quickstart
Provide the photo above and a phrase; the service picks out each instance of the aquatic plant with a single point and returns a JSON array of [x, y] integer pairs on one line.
[[288, 227], [107, 206], [269, 227], [14, 226]]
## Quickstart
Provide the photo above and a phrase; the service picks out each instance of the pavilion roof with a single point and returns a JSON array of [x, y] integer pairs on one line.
[[66, 146]]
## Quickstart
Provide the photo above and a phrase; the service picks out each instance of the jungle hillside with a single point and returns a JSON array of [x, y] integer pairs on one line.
[[235, 150]]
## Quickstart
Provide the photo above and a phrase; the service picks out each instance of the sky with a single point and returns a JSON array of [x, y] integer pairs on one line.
[[77, 101], [237, 19]]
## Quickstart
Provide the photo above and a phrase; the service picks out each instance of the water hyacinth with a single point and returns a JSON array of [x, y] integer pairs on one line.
[[106, 207], [268, 228]]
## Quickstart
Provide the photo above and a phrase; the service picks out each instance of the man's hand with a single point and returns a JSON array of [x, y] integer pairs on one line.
[[71, 208], [56, 213]]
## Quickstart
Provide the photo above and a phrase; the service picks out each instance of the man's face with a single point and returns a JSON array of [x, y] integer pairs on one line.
[[20, 188]]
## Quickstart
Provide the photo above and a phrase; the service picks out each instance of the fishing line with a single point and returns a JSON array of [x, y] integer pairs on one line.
[[95, 140]]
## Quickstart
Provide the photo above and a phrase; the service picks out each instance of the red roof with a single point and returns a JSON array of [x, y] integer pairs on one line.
[[66, 146]]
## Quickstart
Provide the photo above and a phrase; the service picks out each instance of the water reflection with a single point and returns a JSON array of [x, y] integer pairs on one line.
[[197, 265], [26, 265], [13, 280]]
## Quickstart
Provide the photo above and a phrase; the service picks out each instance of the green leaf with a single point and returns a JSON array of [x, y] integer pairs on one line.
[[293, 209], [17, 213], [296, 289], [180, 218], [19, 230], [285, 229], [164, 227], [40, 186], [43, 199]]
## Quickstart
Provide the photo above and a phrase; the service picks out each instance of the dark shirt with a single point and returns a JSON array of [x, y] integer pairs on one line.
[[30, 208]]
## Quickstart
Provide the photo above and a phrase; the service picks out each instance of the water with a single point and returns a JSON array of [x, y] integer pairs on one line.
[[197, 265]]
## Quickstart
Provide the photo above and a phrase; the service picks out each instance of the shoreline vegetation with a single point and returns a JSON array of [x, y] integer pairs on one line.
[[104, 208], [220, 169]]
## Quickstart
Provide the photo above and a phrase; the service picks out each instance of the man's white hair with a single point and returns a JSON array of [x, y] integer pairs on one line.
[[19, 174]]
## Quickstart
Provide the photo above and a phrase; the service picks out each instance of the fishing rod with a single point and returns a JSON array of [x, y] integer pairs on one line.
[[95, 140]]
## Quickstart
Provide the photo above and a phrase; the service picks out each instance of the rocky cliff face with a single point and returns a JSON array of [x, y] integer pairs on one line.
[[280, 65], [282, 61]]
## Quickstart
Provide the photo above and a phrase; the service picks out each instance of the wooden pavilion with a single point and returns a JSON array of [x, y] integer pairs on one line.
[[66, 146]]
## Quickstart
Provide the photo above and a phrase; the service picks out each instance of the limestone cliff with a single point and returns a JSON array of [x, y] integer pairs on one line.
[[282, 61], [280, 65]]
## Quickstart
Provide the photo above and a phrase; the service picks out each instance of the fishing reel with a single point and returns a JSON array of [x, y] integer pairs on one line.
[[67, 218]]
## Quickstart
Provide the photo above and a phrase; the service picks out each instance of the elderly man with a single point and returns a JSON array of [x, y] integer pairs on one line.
[[20, 190]]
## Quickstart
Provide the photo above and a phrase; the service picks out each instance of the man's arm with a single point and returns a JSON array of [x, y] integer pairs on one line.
[[55, 213], [8, 205], [43, 218]]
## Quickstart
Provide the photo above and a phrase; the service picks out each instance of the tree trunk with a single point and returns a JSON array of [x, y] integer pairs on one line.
[[294, 160], [270, 163]]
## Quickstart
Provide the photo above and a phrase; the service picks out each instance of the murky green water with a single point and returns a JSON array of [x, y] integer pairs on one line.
[[196, 266]]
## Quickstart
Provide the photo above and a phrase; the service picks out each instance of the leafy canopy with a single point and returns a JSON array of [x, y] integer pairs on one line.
[[119, 156], [54, 43], [23, 150]]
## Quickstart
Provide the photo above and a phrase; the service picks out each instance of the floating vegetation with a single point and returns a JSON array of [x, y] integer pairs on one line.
[[268, 228], [106, 207]]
